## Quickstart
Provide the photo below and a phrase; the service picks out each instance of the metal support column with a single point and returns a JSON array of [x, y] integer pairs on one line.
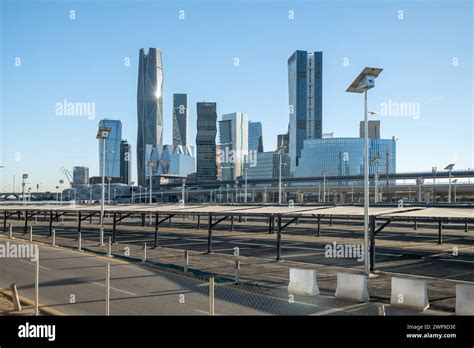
[[114, 231], [440, 232], [209, 235], [157, 223], [372, 244], [278, 258]]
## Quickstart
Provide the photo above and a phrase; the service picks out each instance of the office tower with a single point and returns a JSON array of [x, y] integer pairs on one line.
[[80, 176], [149, 108], [255, 136], [305, 100], [125, 162], [233, 132], [180, 119], [206, 141], [374, 129], [267, 166], [112, 148], [282, 143]]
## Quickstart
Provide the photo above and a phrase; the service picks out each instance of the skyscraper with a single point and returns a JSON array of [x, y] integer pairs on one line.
[[255, 136], [206, 141], [180, 119], [305, 100], [125, 161], [234, 139], [112, 149], [80, 176], [149, 108]]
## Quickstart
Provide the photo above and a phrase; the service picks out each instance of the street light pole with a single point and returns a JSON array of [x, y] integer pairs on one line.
[[103, 134], [245, 197], [364, 82], [279, 183], [449, 168]]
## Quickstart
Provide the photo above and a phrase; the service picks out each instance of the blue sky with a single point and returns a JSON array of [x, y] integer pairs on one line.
[[82, 60]]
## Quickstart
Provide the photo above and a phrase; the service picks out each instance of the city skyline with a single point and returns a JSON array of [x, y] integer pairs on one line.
[[418, 133]]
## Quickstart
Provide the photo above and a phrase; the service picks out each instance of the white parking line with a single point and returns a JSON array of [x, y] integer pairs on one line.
[[31, 263], [112, 288]]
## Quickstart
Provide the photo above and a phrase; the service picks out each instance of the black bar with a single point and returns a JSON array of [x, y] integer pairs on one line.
[[156, 230], [26, 221], [415, 227], [319, 226], [209, 235], [199, 222], [114, 232], [466, 226], [372, 244], [278, 258], [79, 222], [270, 224], [50, 223], [232, 223], [5, 221], [143, 220], [440, 232]]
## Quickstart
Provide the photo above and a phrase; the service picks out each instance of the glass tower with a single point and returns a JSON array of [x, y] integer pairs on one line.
[[112, 149], [149, 107], [305, 101], [255, 136], [180, 119], [206, 141]]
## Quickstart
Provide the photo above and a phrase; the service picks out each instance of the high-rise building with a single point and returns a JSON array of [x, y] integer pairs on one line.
[[112, 149], [80, 176], [149, 108], [180, 119], [255, 136], [282, 143], [305, 100], [206, 141], [125, 162], [374, 129], [268, 166], [234, 133]]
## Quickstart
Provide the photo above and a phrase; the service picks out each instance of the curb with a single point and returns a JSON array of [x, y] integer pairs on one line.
[[27, 301]]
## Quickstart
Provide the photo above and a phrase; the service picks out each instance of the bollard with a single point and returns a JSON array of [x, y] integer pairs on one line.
[[15, 297], [237, 271], [53, 232], [211, 296], [37, 283], [101, 237], [79, 241], [31, 234], [144, 253], [107, 288], [186, 261], [109, 247], [10, 232]]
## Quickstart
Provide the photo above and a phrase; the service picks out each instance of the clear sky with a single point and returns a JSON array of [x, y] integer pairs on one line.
[[424, 47]]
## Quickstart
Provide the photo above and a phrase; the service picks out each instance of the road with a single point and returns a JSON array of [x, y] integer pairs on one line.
[[74, 283]]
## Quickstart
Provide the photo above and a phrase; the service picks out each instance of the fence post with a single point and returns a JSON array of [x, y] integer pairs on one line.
[[31, 234], [107, 288], [101, 237], [54, 236], [15, 298], [211, 296], [10, 232], [186, 261], [144, 253], [109, 247], [79, 241], [237, 271], [37, 282]]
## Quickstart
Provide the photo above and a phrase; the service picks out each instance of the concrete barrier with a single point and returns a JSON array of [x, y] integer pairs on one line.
[[409, 293], [303, 282], [464, 299], [352, 287]]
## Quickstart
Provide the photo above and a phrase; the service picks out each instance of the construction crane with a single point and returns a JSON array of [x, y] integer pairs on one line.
[[67, 174]]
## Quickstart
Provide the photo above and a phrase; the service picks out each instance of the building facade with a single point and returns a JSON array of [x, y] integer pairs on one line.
[[305, 100], [345, 156], [206, 141], [255, 136], [149, 107], [233, 133], [80, 176], [125, 162], [112, 149], [268, 166], [374, 129], [180, 119]]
